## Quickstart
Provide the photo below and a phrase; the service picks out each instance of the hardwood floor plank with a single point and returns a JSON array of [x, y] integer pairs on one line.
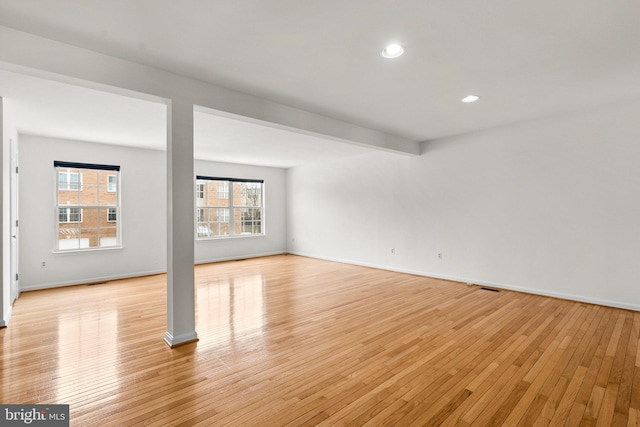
[[288, 340]]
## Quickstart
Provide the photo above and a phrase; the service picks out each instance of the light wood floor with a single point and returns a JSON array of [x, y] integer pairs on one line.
[[288, 340]]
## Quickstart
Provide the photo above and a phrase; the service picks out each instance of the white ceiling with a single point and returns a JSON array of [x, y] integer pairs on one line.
[[48, 108], [525, 59]]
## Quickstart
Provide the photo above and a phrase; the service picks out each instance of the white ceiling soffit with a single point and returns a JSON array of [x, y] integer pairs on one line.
[[59, 110], [231, 140], [524, 59]]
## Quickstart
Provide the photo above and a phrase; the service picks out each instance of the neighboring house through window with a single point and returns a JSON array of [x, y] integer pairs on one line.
[[87, 206], [227, 207]]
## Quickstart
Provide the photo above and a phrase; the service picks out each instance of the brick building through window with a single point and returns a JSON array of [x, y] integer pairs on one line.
[[87, 206]]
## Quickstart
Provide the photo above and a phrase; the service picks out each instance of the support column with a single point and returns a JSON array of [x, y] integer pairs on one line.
[[180, 225], [4, 282]]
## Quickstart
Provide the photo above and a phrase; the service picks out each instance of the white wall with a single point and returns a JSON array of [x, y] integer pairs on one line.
[[550, 207], [8, 132], [143, 217], [274, 241], [4, 224]]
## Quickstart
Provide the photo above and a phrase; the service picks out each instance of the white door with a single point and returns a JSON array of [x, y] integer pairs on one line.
[[15, 287]]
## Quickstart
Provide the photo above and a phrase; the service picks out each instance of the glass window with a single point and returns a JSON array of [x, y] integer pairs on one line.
[[112, 214], [199, 191], [229, 208], [87, 206]]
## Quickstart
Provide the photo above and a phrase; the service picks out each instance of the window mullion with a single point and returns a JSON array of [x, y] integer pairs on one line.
[[232, 210]]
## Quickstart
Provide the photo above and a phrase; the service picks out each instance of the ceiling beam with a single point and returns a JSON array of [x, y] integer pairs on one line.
[[46, 58]]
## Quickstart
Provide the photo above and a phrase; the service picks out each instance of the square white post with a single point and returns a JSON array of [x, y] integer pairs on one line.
[[180, 225]]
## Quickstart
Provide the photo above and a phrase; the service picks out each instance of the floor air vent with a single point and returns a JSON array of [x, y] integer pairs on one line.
[[490, 289]]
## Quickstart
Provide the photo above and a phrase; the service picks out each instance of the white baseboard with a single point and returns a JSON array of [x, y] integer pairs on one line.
[[180, 339], [89, 280], [234, 258], [137, 274], [571, 297], [7, 317]]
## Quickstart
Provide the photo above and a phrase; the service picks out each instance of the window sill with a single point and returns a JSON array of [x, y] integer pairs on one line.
[[240, 236], [87, 250]]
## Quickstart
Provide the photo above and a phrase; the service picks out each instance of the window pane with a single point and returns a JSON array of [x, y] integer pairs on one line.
[[248, 220], [212, 222], [216, 193], [200, 194], [73, 181], [90, 217], [62, 180], [69, 244], [108, 237], [247, 194], [112, 215], [74, 214], [89, 237], [222, 189]]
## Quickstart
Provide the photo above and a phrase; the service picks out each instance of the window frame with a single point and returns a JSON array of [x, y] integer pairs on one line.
[[82, 232], [231, 209]]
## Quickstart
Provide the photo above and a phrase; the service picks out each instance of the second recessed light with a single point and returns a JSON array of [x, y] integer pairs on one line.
[[470, 98], [393, 50]]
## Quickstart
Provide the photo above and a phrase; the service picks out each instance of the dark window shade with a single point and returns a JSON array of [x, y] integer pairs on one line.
[[73, 165], [212, 178]]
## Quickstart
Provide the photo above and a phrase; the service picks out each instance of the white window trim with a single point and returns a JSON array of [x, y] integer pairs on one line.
[[231, 209], [118, 221]]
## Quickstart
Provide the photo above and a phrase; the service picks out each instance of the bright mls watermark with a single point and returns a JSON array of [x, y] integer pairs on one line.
[[35, 415]]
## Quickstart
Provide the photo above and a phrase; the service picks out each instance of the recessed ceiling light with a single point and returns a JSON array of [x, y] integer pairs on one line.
[[470, 98], [392, 51]]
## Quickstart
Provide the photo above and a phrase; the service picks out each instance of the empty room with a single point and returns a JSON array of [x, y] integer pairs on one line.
[[325, 213]]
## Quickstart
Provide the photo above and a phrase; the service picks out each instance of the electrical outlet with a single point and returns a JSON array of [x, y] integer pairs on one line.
[[44, 263], [439, 255], [393, 250]]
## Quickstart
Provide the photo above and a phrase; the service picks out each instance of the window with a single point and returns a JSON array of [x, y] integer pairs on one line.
[[112, 183], [69, 180], [229, 207], [70, 215], [112, 215], [87, 206], [200, 191], [223, 190]]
